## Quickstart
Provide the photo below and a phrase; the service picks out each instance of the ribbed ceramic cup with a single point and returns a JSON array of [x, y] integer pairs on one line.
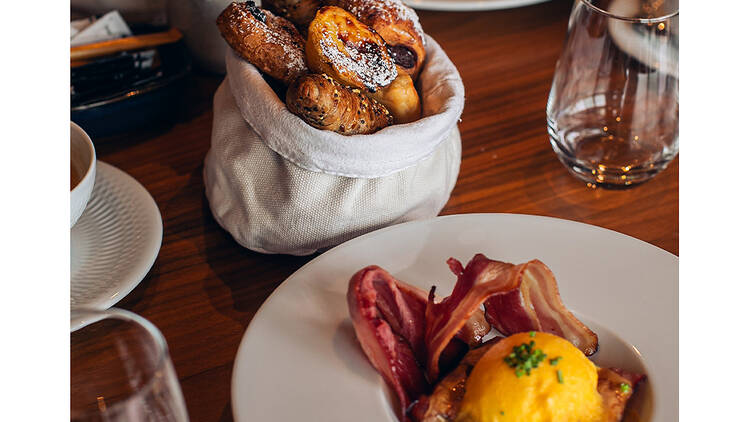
[[82, 171]]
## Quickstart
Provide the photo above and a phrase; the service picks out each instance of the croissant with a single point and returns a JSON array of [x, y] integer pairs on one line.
[[326, 104], [348, 50], [399, 26], [268, 41]]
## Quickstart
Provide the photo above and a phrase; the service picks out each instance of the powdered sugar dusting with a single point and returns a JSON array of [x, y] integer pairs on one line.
[[360, 8], [364, 60], [276, 31]]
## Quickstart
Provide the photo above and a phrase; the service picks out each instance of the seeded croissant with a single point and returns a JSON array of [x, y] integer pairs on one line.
[[326, 104]]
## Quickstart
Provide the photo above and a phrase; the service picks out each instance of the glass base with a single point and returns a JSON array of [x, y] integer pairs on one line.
[[608, 177]]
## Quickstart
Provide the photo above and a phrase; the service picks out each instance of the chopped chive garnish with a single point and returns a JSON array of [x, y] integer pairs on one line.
[[625, 388], [554, 361], [502, 413], [524, 358], [559, 376], [532, 333]]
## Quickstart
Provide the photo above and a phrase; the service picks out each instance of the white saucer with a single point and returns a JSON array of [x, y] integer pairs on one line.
[[115, 242]]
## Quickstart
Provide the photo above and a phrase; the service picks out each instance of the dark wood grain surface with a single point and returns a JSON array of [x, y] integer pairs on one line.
[[204, 288]]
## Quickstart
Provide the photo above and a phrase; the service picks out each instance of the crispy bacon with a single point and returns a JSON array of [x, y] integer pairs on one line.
[[537, 306], [529, 300]]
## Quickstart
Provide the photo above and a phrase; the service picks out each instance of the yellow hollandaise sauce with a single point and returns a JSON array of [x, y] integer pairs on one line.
[[532, 377]]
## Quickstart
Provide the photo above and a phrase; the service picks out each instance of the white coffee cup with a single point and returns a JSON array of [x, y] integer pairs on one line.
[[82, 171]]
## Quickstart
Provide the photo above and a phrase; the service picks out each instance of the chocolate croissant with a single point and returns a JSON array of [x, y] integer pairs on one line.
[[269, 42], [326, 104], [348, 50], [399, 26]]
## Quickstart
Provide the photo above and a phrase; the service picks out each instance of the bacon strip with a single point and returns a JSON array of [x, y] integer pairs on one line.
[[528, 300], [480, 279], [537, 306], [389, 321]]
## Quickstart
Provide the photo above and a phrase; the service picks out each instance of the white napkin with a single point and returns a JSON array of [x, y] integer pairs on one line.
[[110, 26], [385, 152]]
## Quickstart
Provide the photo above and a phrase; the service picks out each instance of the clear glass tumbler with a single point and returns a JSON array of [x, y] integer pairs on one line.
[[613, 110], [120, 370]]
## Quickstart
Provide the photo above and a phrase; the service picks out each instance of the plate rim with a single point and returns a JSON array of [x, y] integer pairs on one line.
[[234, 399], [470, 5], [155, 214]]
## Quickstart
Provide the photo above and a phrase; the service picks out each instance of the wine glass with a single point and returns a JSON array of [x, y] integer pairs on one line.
[[120, 370], [613, 109]]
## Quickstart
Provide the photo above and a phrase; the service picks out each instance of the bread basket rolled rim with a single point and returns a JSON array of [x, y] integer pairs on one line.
[[386, 151]]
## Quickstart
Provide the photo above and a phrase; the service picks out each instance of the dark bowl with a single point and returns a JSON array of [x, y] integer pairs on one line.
[[129, 108]]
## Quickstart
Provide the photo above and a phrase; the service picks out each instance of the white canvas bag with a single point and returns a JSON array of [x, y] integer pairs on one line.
[[279, 185]]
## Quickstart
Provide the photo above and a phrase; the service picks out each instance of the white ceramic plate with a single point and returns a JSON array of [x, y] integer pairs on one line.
[[115, 242], [300, 360], [469, 5]]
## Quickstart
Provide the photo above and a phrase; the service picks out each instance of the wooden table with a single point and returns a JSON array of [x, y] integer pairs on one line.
[[204, 288]]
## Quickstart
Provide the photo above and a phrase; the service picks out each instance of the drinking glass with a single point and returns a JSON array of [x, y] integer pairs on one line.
[[120, 370], [613, 109]]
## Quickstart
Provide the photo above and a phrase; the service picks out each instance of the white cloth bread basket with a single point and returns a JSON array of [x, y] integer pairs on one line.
[[278, 185]]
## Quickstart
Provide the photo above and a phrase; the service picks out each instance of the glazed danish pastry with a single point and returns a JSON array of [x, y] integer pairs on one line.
[[268, 41], [326, 104], [348, 50], [399, 26]]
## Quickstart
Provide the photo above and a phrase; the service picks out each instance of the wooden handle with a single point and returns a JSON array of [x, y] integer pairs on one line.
[[137, 42]]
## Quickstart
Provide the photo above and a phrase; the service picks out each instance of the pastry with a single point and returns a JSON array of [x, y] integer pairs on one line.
[[399, 26], [270, 42], [401, 99], [348, 50], [326, 104], [344, 78], [299, 12]]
